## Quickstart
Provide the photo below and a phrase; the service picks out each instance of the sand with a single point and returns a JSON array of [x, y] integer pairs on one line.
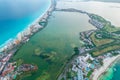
[[106, 64]]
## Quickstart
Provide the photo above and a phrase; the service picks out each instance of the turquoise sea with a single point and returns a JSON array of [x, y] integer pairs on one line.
[[16, 15], [113, 72]]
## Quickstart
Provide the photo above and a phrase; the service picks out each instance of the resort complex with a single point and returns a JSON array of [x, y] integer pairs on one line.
[[64, 51]]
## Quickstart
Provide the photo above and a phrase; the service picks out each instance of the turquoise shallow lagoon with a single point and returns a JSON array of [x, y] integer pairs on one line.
[[16, 15], [112, 73]]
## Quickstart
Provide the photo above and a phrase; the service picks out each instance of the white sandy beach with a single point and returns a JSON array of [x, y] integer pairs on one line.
[[106, 63]]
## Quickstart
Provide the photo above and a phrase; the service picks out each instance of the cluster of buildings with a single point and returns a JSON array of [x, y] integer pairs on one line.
[[27, 67], [83, 67], [25, 34], [4, 60], [5, 66], [97, 23], [85, 37], [10, 70], [21, 37]]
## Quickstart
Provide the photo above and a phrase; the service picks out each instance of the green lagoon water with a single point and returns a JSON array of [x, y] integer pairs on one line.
[[59, 37]]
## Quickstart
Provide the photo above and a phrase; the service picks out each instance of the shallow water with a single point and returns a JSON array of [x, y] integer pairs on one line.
[[60, 36], [110, 11], [16, 15], [113, 73]]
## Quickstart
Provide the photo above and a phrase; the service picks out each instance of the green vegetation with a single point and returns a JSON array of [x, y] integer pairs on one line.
[[99, 42], [89, 73], [71, 74], [99, 18], [110, 28], [89, 61], [45, 76], [76, 50], [38, 51], [19, 62], [62, 79], [50, 57], [105, 39], [101, 62], [25, 74], [105, 50]]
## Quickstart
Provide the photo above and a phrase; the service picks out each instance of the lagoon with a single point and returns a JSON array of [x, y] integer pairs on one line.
[[59, 37]]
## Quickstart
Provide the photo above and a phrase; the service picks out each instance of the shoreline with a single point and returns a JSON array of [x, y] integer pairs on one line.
[[9, 49], [106, 64], [34, 24]]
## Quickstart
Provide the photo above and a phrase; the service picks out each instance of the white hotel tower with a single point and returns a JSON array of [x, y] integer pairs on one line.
[[20, 36]]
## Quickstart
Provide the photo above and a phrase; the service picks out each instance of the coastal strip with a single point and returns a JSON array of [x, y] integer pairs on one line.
[[13, 45], [24, 35], [106, 64]]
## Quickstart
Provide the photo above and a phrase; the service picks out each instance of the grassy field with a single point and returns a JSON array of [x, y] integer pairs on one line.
[[107, 49], [99, 18], [110, 28], [99, 42], [105, 44], [105, 38]]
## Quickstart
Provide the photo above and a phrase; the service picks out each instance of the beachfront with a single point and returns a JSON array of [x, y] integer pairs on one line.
[[85, 68], [107, 62], [27, 32], [8, 69]]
